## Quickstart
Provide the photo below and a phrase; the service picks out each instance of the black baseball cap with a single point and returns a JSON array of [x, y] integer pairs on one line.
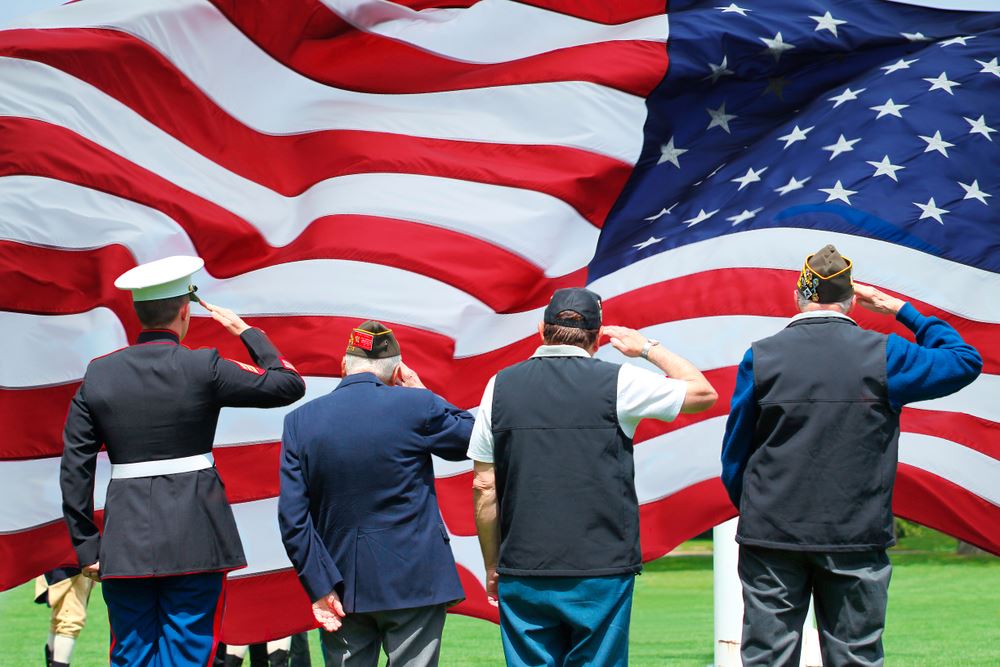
[[581, 301]]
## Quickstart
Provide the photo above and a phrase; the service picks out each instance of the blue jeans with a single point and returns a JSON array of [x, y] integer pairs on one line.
[[565, 621]]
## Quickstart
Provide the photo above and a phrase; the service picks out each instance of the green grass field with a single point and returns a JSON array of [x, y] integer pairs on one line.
[[944, 609]]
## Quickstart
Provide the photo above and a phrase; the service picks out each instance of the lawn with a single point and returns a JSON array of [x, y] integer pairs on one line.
[[944, 609]]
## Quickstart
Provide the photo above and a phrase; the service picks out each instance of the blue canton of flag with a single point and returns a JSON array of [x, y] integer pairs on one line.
[[869, 118]]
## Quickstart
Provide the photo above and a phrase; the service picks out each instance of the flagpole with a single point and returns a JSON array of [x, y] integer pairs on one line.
[[728, 595]]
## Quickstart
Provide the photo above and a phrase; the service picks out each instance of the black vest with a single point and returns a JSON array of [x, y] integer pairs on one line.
[[564, 471], [827, 440]]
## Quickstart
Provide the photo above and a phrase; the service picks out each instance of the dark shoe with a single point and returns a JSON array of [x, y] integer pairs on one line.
[[60, 664], [278, 658], [48, 656], [234, 661]]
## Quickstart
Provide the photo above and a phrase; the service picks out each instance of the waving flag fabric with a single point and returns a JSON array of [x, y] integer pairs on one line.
[[443, 166]]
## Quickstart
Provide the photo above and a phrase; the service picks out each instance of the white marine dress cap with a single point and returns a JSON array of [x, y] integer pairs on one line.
[[161, 279]]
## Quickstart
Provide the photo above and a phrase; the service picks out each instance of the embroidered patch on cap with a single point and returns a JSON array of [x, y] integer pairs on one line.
[[362, 339]]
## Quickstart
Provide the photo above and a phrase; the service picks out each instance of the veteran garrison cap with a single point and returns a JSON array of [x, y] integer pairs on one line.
[[826, 277], [162, 279], [374, 340], [581, 301]]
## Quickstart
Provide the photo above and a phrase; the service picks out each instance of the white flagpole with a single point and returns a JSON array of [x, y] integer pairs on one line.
[[728, 595]]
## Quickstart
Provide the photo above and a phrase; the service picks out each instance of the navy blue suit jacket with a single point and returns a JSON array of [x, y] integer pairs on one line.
[[358, 511]]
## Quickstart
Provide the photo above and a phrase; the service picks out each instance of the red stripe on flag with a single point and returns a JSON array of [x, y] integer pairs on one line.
[[936, 502], [311, 36], [279, 593], [586, 181], [665, 523]]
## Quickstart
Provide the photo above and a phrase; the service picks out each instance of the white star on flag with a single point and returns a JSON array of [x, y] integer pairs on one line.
[[845, 96], [648, 242], [792, 185], [972, 191], [795, 135], [957, 40], [776, 46], [991, 67], [720, 118], [930, 210], [720, 70], [979, 126], [744, 216], [734, 8], [885, 168], [915, 36], [936, 143], [941, 82], [843, 145], [838, 191], [670, 153], [750, 177], [701, 217], [662, 213], [898, 65], [827, 22], [890, 108]]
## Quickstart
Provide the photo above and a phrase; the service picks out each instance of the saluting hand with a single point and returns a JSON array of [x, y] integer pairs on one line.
[[328, 612], [627, 341], [407, 377], [226, 318], [877, 301]]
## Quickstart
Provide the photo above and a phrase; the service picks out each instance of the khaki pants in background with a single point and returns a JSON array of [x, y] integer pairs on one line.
[[68, 599]]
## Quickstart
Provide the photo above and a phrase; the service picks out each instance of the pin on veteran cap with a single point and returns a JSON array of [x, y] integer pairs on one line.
[[162, 279], [581, 301], [826, 277], [373, 340]]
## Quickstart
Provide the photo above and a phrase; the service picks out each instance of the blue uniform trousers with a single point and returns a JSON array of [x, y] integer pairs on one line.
[[165, 621], [565, 621]]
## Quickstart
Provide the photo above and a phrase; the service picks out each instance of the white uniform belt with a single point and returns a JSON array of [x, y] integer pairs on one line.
[[165, 467]]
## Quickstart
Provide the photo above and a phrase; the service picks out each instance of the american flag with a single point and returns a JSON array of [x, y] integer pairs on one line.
[[443, 166]]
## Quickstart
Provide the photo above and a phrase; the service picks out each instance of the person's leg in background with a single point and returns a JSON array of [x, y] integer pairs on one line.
[[69, 599], [298, 654]]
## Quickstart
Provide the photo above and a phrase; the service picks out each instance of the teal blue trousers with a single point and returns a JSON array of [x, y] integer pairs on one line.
[[565, 621]]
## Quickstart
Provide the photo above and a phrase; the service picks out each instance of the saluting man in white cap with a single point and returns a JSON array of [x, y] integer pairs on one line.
[[169, 534]]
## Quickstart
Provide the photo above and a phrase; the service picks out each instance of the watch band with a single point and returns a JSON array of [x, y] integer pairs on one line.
[[650, 344]]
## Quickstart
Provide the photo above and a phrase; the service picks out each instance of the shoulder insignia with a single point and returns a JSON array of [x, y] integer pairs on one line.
[[287, 364], [248, 367]]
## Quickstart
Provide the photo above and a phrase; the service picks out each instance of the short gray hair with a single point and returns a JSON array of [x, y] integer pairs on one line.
[[844, 306], [382, 368]]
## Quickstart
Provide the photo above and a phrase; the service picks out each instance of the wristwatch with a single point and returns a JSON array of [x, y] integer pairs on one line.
[[650, 344]]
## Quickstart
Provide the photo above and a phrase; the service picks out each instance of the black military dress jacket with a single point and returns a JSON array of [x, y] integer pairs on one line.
[[153, 401]]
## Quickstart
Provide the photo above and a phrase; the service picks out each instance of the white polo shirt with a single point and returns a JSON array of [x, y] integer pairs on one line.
[[641, 394]]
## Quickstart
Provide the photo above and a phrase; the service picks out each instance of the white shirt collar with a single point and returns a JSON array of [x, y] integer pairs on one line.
[[809, 314], [560, 351]]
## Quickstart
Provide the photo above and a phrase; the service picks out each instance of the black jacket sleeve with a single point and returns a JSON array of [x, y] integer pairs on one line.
[[271, 383], [81, 444]]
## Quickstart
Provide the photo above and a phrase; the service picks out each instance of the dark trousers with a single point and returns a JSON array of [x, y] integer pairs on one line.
[[850, 589], [165, 621], [565, 621], [410, 637]]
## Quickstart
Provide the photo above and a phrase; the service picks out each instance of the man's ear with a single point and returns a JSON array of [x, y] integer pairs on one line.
[[394, 380], [185, 312], [541, 331]]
